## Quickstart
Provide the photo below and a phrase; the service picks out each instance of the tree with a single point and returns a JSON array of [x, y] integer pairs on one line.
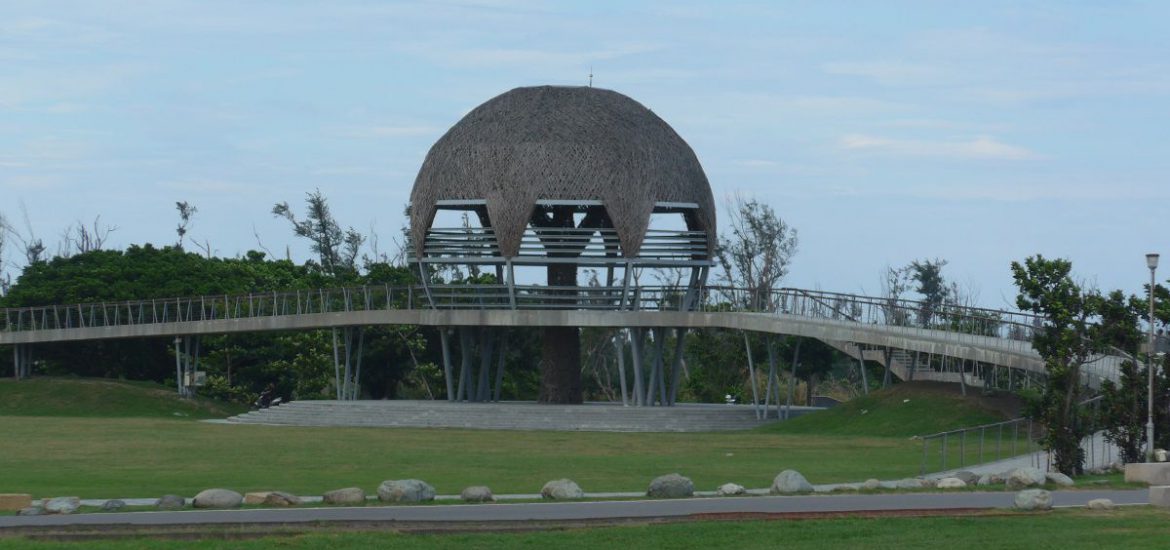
[[759, 252], [337, 250], [931, 286], [1067, 340], [186, 211]]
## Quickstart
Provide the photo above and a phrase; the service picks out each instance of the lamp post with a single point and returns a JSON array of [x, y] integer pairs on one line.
[[1152, 263]]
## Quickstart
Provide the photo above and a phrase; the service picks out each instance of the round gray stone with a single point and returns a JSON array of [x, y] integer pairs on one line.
[[1021, 478], [405, 490], [348, 495], [561, 489], [1100, 504], [671, 486], [62, 505], [477, 493], [170, 502], [113, 505], [217, 499], [790, 482], [281, 499], [871, 484], [1060, 479], [31, 511], [950, 483], [1033, 499], [730, 489], [970, 478]]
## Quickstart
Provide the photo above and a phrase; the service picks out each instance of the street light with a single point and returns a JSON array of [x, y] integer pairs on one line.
[[1152, 263]]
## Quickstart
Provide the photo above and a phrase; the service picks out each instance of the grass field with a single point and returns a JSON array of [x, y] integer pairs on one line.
[[131, 444], [1130, 528]]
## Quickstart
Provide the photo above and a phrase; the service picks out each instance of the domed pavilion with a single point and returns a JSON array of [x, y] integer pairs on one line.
[[540, 184]]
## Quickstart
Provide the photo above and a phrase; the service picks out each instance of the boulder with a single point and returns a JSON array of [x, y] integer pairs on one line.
[[256, 497], [281, 499], [11, 502], [910, 483], [1100, 504], [1033, 499], [218, 499], [790, 482], [1160, 496], [1159, 455], [951, 483], [348, 495], [970, 478], [730, 489], [170, 502], [477, 493], [405, 490], [871, 484], [62, 505], [1021, 478], [984, 480], [113, 505], [1058, 478], [561, 489], [31, 511], [671, 486]]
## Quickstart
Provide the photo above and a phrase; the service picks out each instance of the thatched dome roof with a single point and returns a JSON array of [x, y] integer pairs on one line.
[[561, 143]]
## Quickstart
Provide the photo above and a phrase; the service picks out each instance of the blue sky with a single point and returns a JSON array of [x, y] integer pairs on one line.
[[978, 132]]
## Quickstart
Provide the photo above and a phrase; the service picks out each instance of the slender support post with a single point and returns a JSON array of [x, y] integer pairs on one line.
[[653, 381], [485, 364], [864, 376], [465, 344], [792, 378], [752, 376], [179, 365], [660, 364], [773, 383], [619, 347], [336, 366], [636, 342], [444, 339], [676, 368], [503, 341], [357, 375], [511, 285], [625, 286], [913, 367], [889, 358]]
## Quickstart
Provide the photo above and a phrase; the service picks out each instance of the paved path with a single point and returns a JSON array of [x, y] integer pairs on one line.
[[569, 511]]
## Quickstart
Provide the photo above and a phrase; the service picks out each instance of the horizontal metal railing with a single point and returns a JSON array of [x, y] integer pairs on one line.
[[978, 444], [976, 322]]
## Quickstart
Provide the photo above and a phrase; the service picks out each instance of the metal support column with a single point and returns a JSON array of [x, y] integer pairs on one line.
[[752, 376], [445, 341], [619, 346], [676, 363], [636, 341], [336, 366], [502, 345], [465, 344], [792, 379]]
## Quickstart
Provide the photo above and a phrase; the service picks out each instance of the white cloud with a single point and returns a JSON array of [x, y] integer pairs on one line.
[[981, 147]]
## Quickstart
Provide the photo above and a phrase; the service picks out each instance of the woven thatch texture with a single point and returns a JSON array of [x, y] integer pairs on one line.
[[552, 142]]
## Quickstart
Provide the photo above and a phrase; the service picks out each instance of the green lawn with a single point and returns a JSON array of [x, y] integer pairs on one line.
[[139, 457], [1130, 528], [903, 410], [107, 439], [96, 397]]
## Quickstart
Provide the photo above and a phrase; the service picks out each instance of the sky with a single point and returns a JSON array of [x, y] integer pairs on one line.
[[884, 132]]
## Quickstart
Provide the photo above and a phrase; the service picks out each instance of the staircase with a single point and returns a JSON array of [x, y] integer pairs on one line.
[[900, 364], [594, 417]]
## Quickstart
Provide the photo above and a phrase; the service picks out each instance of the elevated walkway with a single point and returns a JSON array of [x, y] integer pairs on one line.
[[591, 417]]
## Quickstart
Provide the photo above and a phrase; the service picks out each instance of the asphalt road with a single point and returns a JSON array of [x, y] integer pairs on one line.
[[569, 511]]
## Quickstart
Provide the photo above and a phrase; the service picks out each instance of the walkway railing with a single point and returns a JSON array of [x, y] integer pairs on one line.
[[974, 322], [977, 445]]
